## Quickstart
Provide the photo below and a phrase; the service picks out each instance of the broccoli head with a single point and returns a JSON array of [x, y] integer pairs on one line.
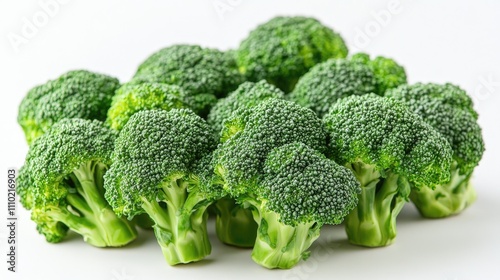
[[390, 149], [330, 81], [130, 99], [160, 167], [449, 110], [61, 183], [388, 73], [202, 72], [75, 94], [284, 48]]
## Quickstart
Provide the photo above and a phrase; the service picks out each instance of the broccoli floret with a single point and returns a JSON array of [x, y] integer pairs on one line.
[[450, 111], [390, 149], [284, 48], [388, 73], [61, 183], [247, 95], [330, 81], [130, 99], [160, 167], [75, 94], [202, 72]]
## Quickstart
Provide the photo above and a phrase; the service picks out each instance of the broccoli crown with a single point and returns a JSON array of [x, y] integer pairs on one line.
[[303, 186], [130, 99], [449, 110], [387, 72], [246, 96], [284, 48], [330, 81], [197, 70], [76, 94], [155, 146], [239, 161], [56, 154], [383, 132]]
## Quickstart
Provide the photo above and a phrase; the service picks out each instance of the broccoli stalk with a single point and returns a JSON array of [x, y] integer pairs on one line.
[[234, 224], [373, 222]]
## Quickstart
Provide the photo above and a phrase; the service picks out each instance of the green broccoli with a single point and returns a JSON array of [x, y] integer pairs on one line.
[[284, 48], [75, 94], [61, 183], [388, 73], [205, 74], [450, 111], [260, 166], [130, 99], [390, 150], [161, 168], [330, 81]]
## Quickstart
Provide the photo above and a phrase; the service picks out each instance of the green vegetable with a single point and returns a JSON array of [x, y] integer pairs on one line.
[[61, 183], [390, 150], [450, 111], [75, 94], [284, 48], [388, 73], [330, 81], [160, 167]]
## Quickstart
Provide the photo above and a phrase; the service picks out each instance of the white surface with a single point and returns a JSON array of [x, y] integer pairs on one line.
[[449, 41]]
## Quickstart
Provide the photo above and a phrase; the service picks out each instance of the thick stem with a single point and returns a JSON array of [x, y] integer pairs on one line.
[[279, 245], [234, 224], [373, 222], [180, 227], [446, 199]]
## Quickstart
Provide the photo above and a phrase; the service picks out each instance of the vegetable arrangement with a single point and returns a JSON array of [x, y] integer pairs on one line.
[[277, 138]]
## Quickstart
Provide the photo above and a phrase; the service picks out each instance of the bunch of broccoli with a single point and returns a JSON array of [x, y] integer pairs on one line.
[[277, 138]]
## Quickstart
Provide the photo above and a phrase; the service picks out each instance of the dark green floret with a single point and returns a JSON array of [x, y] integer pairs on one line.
[[388, 73], [75, 94], [390, 150], [330, 81], [161, 167], [450, 111], [284, 48], [199, 71], [61, 183]]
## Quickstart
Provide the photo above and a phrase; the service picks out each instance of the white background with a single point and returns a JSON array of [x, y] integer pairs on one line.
[[449, 41]]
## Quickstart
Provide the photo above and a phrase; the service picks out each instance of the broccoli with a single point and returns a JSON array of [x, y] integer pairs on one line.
[[284, 48], [450, 111], [75, 94], [330, 81], [262, 143], [387, 72], [390, 150], [204, 73], [130, 99], [160, 167], [61, 183]]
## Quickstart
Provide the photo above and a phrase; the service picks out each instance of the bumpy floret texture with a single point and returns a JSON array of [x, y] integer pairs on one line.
[[154, 147], [303, 186], [76, 94], [197, 70], [284, 48], [246, 96], [330, 81], [388, 73], [383, 132], [240, 159], [449, 110]]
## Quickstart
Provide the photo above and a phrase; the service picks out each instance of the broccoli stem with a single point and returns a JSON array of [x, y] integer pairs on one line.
[[102, 227], [447, 199], [234, 224], [279, 245], [180, 223], [373, 222]]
